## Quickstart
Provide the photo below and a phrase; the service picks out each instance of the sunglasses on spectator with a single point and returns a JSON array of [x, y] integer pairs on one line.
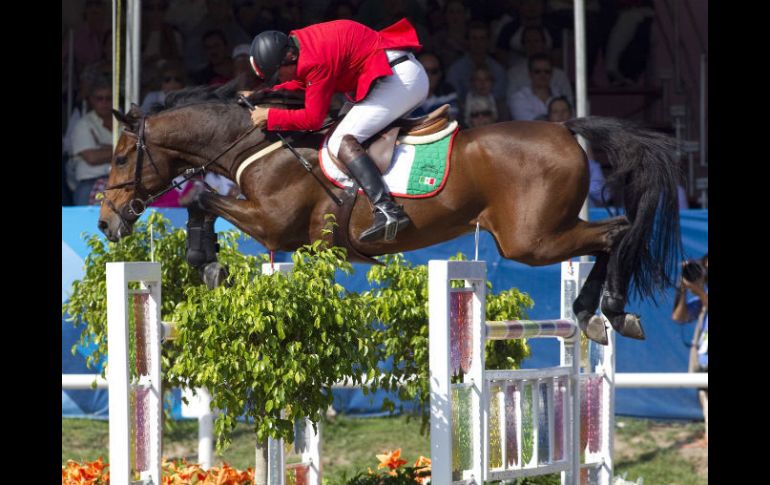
[[168, 79], [435, 70], [102, 98], [541, 71], [481, 113]]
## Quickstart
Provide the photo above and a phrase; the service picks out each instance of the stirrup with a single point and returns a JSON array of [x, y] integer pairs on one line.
[[388, 229], [391, 225]]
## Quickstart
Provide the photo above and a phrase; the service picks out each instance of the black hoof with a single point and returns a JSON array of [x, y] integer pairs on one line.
[[628, 325], [214, 275]]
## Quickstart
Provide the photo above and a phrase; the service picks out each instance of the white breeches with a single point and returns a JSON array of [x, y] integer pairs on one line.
[[389, 98]]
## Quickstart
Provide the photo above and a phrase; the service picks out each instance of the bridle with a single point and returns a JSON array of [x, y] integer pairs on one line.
[[136, 206]]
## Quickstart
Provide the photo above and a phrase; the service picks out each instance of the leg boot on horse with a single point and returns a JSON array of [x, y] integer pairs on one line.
[[389, 218], [202, 246]]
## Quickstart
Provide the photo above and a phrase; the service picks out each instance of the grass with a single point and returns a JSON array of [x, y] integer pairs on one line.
[[650, 449]]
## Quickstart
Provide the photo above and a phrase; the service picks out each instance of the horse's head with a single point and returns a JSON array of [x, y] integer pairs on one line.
[[140, 169]]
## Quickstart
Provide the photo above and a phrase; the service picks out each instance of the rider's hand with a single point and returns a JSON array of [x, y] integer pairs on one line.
[[259, 116]]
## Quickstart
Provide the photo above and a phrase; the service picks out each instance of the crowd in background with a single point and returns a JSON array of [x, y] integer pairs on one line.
[[490, 60]]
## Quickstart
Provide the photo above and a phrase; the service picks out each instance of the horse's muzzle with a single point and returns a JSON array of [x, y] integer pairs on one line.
[[113, 232]]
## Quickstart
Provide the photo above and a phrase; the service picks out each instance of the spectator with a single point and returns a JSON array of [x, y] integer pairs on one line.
[[531, 102], [451, 42], [161, 41], [559, 111], [533, 40], [440, 92], [220, 65], [460, 71], [247, 15], [219, 16], [481, 107], [87, 41], [695, 278], [92, 144], [172, 79], [480, 110], [510, 37]]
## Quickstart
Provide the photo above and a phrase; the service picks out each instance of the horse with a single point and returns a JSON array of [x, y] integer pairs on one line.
[[522, 181]]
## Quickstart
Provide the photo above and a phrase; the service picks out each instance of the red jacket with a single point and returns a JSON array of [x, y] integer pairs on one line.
[[338, 57]]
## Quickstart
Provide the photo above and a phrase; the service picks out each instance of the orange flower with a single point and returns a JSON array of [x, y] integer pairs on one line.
[[74, 473], [391, 460], [423, 467]]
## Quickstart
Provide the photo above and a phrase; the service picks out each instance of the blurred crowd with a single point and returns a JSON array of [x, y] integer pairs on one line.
[[490, 60]]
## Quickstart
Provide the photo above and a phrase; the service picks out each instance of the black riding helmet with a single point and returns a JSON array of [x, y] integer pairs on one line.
[[267, 53]]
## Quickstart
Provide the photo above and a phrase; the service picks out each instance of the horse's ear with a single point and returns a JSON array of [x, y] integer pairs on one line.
[[135, 111], [131, 119]]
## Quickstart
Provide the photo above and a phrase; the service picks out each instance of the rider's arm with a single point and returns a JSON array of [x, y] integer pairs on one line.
[[319, 88]]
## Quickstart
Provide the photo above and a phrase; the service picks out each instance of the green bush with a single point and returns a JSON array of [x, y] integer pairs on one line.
[[401, 304]]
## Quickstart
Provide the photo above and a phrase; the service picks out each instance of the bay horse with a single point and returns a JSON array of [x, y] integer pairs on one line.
[[522, 181]]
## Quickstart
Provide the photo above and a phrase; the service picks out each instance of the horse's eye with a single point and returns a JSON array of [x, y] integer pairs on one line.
[[121, 160]]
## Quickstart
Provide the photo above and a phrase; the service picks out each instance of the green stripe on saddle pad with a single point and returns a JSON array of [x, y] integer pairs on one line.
[[428, 168]]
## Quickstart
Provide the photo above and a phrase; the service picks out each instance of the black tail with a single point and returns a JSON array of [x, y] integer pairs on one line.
[[645, 177]]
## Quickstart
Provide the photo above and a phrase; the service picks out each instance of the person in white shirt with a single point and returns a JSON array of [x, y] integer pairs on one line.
[[533, 40], [92, 143], [531, 102]]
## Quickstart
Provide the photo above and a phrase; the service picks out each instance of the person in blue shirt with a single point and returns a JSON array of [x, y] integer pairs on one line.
[[696, 308]]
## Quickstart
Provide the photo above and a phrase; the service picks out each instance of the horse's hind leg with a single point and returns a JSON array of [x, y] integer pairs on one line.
[[588, 299], [587, 302], [615, 296]]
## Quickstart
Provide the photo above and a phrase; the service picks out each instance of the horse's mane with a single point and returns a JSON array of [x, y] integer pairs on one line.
[[227, 94]]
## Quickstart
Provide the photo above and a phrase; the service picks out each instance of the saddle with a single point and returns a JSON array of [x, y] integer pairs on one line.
[[380, 147]]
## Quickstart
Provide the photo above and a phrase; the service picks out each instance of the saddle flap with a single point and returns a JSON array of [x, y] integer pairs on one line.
[[380, 147]]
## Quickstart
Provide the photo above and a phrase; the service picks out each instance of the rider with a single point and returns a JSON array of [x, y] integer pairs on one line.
[[347, 57]]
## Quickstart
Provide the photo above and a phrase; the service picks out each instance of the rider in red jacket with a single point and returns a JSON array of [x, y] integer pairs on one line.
[[343, 56]]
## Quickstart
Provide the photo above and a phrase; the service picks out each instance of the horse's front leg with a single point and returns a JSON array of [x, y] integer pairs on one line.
[[202, 246]]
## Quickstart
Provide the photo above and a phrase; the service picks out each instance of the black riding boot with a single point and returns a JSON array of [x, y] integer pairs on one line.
[[389, 218]]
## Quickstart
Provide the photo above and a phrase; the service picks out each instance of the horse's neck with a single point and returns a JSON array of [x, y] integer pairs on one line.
[[204, 139]]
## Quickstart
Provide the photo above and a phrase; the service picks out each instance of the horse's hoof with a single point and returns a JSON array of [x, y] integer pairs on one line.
[[629, 325], [596, 330], [214, 274]]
